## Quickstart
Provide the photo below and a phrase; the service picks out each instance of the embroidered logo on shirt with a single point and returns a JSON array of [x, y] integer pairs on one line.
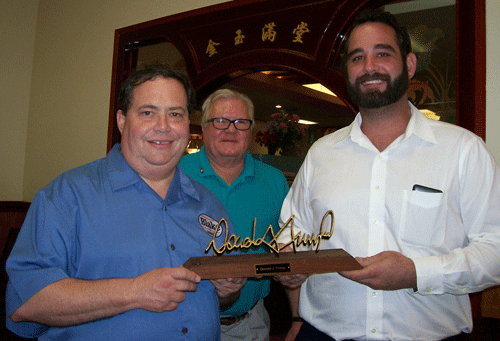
[[209, 224]]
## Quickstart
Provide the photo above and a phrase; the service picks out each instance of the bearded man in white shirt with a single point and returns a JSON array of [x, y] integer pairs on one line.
[[415, 200]]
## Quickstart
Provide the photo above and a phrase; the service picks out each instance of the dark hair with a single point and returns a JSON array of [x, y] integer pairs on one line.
[[150, 72], [377, 16]]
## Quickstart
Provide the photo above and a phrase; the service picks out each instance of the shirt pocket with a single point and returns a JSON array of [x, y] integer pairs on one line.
[[423, 218]]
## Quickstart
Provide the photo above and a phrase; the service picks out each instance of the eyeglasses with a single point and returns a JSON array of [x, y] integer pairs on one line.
[[224, 123]]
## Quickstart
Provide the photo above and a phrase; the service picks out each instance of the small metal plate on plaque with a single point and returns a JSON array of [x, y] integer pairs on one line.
[[264, 269], [270, 264]]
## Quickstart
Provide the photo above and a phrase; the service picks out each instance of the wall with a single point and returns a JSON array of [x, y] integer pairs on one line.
[[70, 88], [56, 73], [493, 77], [490, 306], [17, 38]]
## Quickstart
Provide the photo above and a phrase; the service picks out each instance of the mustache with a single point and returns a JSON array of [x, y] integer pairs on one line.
[[375, 76]]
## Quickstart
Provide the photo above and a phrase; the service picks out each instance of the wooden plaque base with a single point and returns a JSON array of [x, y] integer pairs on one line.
[[270, 264]]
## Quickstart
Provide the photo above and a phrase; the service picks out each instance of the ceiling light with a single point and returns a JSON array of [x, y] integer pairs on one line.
[[307, 122], [278, 106], [320, 88]]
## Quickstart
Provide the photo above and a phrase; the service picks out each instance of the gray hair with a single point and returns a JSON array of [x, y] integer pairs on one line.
[[226, 94]]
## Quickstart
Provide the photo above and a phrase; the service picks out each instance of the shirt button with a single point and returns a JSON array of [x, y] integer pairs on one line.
[[374, 294], [164, 208], [428, 290], [184, 330], [374, 330], [377, 187], [201, 170], [172, 246]]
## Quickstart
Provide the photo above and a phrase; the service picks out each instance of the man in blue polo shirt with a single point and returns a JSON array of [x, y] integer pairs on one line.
[[249, 190], [100, 254]]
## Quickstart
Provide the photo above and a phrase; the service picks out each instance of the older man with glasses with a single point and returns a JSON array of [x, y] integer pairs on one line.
[[250, 190]]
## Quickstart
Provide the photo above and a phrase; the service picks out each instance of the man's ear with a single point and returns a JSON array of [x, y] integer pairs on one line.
[[120, 119], [411, 62]]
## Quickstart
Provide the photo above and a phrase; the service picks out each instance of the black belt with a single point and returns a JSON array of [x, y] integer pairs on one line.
[[229, 320], [459, 337], [308, 333]]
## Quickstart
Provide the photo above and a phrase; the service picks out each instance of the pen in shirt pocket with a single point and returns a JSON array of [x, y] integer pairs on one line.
[[420, 188]]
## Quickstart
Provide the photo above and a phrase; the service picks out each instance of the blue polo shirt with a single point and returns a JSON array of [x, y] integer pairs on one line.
[[258, 192], [101, 220]]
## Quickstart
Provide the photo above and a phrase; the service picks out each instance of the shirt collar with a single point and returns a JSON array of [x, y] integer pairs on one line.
[[121, 175], [181, 188], [248, 169], [205, 163], [418, 126]]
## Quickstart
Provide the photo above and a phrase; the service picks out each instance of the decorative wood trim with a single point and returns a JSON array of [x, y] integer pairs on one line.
[[471, 66], [328, 22], [12, 214]]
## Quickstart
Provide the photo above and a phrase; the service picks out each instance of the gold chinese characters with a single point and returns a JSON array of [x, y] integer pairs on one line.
[[269, 33]]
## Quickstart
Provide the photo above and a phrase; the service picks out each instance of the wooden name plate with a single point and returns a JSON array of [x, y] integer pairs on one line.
[[270, 264]]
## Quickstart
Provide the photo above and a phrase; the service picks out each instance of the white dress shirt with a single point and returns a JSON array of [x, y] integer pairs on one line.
[[451, 233]]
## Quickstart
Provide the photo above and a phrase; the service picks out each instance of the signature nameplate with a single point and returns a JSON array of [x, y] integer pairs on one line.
[[266, 269], [269, 264]]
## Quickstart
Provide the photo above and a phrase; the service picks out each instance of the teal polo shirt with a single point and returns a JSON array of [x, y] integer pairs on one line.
[[258, 192]]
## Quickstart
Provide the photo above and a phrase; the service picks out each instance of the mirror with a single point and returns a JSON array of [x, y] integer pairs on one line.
[[450, 80], [267, 89], [432, 89], [432, 29]]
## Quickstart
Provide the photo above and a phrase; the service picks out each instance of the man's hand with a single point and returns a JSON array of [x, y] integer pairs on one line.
[[163, 289], [388, 270], [227, 286], [73, 301], [228, 290], [291, 281]]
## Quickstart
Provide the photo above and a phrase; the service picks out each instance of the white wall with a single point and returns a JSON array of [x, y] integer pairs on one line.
[[70, 90], [493, 77], [17, 39], [56, 78]]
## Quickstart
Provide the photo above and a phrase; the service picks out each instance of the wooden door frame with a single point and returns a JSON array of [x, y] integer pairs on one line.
[[189, 32]]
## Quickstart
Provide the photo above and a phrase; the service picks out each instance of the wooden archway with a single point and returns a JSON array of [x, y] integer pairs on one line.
[[225, 41]]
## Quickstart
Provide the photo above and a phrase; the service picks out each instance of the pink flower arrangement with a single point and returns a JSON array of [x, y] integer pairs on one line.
[[283, 131]]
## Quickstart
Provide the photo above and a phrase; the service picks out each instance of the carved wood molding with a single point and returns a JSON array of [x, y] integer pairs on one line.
[[222, 42]]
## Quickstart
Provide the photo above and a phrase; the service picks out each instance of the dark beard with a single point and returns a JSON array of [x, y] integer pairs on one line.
[[374, 99]]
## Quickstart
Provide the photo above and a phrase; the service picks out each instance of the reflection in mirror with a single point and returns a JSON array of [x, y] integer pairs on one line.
[[431, 25], [292, 92], [288, 92], [165, 53]]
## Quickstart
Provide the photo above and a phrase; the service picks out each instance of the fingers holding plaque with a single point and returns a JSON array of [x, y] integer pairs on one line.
[[275, 263], [268, 264]]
